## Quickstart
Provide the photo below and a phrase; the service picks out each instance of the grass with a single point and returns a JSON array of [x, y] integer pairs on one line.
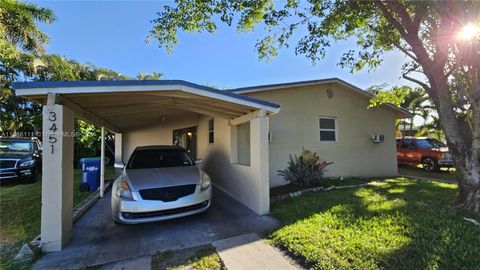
[[199, 258], [399, 224], [444, 173], [20, 206]]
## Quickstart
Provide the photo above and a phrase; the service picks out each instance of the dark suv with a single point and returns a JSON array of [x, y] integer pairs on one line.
[[20, 158]]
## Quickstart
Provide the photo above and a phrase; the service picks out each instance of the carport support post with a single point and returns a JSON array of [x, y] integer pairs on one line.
[[57, 177], [118, 152], [102, 162], [259, 161]]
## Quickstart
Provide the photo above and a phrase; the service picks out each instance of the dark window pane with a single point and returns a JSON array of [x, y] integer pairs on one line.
[[326, 123], [210, 131], [210, 125], [408, 144], [210, 137], [327, 136]]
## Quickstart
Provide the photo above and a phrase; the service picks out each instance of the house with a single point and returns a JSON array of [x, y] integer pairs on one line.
[[244, 135], [405, 128], [332, 118]]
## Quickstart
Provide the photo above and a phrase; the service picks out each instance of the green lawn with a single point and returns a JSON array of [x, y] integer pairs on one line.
[[20, 214], [197, 258], [400, 224]]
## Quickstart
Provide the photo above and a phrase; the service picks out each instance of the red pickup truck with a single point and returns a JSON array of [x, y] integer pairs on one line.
[[432, 154]]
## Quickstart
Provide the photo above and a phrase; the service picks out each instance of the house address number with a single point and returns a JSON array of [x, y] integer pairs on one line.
[[52, 138]]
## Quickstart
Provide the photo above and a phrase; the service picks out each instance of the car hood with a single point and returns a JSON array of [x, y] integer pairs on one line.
[[10, 155], [162, 177]]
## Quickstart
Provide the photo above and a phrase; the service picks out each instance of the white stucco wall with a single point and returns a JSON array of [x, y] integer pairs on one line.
[[247, 184], [354, 154]]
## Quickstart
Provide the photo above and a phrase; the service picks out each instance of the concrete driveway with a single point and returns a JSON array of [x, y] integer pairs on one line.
[[97, 240]]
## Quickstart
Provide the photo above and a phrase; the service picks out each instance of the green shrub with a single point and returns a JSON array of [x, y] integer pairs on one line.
[[306, 170]]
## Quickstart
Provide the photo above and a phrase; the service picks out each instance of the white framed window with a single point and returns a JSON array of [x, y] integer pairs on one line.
[[211, 137], [327, 129]]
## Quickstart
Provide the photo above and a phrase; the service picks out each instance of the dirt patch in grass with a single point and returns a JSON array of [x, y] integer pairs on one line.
[[198, 258]]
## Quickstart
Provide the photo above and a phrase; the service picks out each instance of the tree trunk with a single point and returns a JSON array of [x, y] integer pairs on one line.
[[463, 143], [411, 126], [468, 196]]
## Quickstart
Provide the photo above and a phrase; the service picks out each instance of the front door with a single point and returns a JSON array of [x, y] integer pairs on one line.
[[186, 138]]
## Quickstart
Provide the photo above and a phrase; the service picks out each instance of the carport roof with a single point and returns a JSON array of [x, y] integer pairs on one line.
[[129, 104], [70, 84]]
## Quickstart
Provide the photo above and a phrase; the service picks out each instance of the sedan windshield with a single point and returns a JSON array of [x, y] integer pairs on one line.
[[10, 146], [429, 143], [159, 158]]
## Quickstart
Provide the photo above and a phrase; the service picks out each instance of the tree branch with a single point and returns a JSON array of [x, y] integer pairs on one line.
[[407, 30], [420, 11], [405, 51], [391, 19], [422, 84]]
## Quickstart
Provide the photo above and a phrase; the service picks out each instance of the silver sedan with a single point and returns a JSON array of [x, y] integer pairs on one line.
[[159, 183]]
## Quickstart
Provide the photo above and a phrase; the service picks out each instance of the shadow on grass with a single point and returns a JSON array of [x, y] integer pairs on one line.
[[403, 224]]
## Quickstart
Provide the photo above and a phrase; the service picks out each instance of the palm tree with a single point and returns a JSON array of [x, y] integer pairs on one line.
[[21, 41], [18, 25], [150, 76]]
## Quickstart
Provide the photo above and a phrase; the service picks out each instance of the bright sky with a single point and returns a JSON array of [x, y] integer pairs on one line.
[[112, 35]]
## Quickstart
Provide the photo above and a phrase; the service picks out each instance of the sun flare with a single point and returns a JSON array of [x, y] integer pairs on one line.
[[469, 32]]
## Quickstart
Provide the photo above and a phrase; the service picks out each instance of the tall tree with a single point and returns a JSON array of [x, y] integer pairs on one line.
[[441, 38], [412, 99], [21, 40], [18, 25], [150, 76]]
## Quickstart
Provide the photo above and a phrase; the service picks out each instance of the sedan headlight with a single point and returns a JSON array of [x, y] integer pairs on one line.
[[205, 181], [123, 190], [27, 163]]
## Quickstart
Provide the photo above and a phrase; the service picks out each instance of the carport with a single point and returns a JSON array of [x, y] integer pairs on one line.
[[228, 131]]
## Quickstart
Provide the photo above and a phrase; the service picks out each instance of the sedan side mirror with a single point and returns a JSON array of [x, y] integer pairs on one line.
[[199, 161], [118, 165]]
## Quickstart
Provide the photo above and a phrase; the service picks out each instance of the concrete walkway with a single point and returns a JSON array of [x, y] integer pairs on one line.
[[248, 251], [242, 252]]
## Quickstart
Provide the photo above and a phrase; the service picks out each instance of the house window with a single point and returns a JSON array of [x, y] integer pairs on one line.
[[211, 137], [328, 129], [243, 144]]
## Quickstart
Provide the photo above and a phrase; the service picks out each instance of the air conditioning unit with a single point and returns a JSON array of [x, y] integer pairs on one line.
[[378, 138]]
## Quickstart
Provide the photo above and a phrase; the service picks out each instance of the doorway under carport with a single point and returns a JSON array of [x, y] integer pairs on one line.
[[134, 110], [186, 138]]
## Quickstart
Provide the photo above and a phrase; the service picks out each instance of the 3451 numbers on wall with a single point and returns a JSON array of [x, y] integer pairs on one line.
[[52, 138]]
